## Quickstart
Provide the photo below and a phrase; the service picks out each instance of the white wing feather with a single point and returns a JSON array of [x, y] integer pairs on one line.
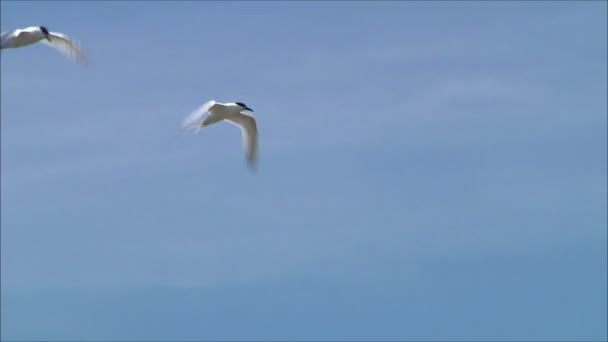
[[249, 132], [194, 120], [66, 46]]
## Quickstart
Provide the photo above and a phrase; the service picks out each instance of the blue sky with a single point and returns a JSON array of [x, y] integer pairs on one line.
[[428, 171]]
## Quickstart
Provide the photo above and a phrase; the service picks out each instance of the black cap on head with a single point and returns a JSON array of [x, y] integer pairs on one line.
[[244, 106], [44, 29]]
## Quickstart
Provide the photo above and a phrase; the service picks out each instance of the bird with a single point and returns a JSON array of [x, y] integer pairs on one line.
[[34, 34], [233, 112]]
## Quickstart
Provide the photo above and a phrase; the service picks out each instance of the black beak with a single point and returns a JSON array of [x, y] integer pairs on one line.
[[249, 109], [48, 38]]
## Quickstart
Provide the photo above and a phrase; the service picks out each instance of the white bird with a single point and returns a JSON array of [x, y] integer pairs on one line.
[[35, 34], [232, 112]]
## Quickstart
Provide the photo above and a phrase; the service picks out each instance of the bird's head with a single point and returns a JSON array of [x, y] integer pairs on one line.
[[244, 106], [46, 33]]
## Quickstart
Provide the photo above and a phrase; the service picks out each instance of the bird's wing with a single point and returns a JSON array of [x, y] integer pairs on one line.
[[6, 39], [195, 118], [66, 46], [249, 131]]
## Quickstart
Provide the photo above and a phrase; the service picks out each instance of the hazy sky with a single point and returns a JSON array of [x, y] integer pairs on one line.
[[428, 171]]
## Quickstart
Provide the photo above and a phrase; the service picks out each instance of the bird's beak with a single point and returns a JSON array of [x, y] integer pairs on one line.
[[48, 38], [249, 109]]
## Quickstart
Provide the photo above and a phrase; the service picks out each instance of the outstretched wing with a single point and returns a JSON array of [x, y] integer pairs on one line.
[[66, 46], [194, 120], [249, 132], [6, 39]]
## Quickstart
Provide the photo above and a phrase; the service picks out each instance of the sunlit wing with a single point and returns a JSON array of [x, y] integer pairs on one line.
[[249, 132], [66, 46], [195, 118]]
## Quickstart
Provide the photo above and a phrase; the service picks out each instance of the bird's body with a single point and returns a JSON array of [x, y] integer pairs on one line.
[[233, 112], [21, 37], [34, 34]]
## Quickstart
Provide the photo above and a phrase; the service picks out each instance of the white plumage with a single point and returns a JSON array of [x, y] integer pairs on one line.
[[35, 34], [212, 112]]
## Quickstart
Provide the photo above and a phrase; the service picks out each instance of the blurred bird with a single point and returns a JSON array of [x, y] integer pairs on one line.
[[232, 112], [35, 34]]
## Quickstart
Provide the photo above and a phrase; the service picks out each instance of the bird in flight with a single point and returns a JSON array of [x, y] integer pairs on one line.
[[233, 112], [34, 34]]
